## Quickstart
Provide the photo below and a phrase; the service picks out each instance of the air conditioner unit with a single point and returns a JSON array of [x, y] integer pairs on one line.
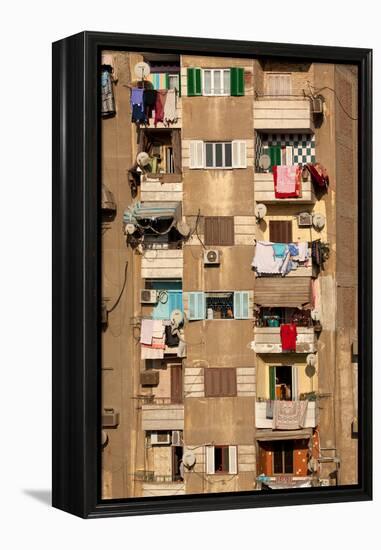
[[317, 106], [148, 296], [110, 418], [211, 257], [177, 438], [160, 438], [305, 220]]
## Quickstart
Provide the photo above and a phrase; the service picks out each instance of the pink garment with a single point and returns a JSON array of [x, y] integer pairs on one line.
[[146, 331], [287, 181]]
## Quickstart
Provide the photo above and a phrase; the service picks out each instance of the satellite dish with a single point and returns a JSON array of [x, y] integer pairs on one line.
[[311, 359], [142, 70], [129, 229], [315, 314], [143, 158], [104, 438], [176, 317], [260, 211], [189, 459], [183, 228], [264, 162], [318, 221]]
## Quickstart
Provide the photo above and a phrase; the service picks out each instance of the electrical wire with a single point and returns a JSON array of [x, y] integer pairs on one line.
[[318, 90], [121, 292]]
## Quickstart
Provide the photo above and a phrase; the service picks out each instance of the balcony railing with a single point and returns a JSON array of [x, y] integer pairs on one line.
[[149, 476], [267, 340], [264, 190], [283, 113], [261, 421]]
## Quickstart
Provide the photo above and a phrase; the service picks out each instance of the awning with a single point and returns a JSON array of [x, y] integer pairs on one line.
[[152, 211], [282, 291], [282, 435]]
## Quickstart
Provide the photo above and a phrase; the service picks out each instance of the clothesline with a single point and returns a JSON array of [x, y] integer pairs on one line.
[[157, 104], [279, 258]]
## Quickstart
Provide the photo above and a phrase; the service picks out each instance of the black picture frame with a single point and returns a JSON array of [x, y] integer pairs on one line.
[[76, 275]]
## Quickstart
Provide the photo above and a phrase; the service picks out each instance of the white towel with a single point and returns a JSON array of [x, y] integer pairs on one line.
[[264, 259], [146, 331], [170, 112], [303, 251]]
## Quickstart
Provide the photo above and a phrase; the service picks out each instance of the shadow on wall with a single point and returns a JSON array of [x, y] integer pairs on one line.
[[42, 495]]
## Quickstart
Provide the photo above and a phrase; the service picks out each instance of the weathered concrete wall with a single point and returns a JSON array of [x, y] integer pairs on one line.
[[233, 273]]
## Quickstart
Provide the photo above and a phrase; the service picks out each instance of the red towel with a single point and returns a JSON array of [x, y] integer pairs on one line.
[[161, 96], [319, 174], [287, 178], [288, 336]]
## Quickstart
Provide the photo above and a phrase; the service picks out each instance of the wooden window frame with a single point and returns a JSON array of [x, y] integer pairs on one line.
[[212, 77], [220, 220], [267, 83], [289, 223], [209, 372], [214, 143]]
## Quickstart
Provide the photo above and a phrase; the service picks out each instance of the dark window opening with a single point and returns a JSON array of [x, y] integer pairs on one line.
[[276, 316], [283, 459], [164, 150], [220, 305], [280, 231], [159, 232], [221, 459], [177, 470]]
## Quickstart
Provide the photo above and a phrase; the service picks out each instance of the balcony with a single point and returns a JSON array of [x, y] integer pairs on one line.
[[261, 421], [285, 114], [264, 190], [162, 264], [159, 188], [162, 414], [267, 340]]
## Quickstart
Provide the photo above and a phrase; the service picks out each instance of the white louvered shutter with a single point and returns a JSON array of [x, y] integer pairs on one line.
[[295, 383], [209, 459], [196, 305], [196, 154], [239, 153], [289, 155], [233, 459]]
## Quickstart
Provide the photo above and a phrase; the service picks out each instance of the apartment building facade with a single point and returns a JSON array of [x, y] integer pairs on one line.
[[200, 392]]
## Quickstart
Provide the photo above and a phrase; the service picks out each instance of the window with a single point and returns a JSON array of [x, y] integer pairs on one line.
[[218, 155], [216, 82], [218, 305], [283, 459], [280, 231], [173, 81], [170, 297], [278, 84], [221, 459], [220, 382], [283, 382], [275, 316], [219, 230]]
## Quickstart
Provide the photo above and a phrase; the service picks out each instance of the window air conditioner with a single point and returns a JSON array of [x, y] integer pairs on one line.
[[177, 439], [160, 438], [305, 220], [211, 257], [148, 296], [110, 418], [317, 106]]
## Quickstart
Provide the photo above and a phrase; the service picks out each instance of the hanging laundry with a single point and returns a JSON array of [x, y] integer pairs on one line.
[[288, 335], [287, 181], [107, 94], [109, 61], [264, 260], [137, 105], [289, 415], [152, 339], [319, 175], [146, 331], [170, 111], [161, 97], [294, 249], [171, 339], [149, 100], [303, 251], [269, 409], [279, 250]]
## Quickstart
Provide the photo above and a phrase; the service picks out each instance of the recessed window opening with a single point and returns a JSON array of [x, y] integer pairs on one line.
[[219, 305]]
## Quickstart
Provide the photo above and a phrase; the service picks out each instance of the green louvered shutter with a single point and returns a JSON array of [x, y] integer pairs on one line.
[[196, 306], [241, 305], [237, 81], [275, 155], [194, 81], [272, 383], [166, 81]]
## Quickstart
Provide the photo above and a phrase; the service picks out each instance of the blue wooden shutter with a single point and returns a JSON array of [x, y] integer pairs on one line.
[[241, 305], [163, 310], [175, 300], [196, 306]]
